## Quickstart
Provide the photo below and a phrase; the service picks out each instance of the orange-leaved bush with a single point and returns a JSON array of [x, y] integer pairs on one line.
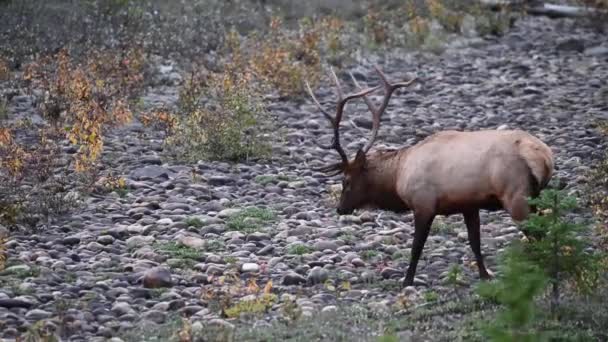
[[88, 97]]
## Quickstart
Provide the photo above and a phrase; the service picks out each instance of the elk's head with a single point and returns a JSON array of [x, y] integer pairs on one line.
[[356, 182]]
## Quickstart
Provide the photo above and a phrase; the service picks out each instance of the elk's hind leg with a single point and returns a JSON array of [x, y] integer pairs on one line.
[[471, 219], [422, 227]]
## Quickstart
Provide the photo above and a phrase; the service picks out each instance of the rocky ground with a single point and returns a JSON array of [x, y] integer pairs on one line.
[[160, 249]]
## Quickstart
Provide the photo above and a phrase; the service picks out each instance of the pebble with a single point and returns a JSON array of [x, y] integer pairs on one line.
[[317, 275], [139, 241], [105, 239], [325, 244], [37, 315], [157, 277], [192, 242], [389, 272], [293, 278], [122, 309], [250, 267]]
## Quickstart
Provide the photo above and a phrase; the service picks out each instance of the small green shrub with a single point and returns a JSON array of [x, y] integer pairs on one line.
[[419, 31], [253, 306], [171, 330], [440, 227], [264, 179], [194, 222], [596, 192], [369, 254], [401, 255], [493, 23], [388, 338], [449, 19], [455, 276], [299, 249], [250, 219], [291, 310], [556, 254], [22, 272], [232, 125], [520, 282], [561, 249], [214, 245], [230, 260], [376, 29], [175, 250], [38, 332], [431, 296], [348, 238], [284, 59]]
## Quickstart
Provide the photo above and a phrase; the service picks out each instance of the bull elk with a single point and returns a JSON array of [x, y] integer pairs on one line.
[[449, 172]]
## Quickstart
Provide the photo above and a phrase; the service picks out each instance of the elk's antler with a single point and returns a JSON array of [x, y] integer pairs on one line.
[[389, 88], [335, 121]]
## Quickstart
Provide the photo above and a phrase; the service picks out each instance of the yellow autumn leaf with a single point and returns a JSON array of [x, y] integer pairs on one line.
[[268, 287], [252, 286], [345, 285], [5, 136], [92, 138]]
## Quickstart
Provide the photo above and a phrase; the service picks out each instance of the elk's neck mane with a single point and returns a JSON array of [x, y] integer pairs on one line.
[[382, 168]]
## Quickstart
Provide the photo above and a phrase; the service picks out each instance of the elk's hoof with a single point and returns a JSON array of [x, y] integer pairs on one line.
[[488, 275]]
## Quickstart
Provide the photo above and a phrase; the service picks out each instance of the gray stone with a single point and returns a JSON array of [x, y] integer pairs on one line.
[[250, 267], [150, 172], [325, 244], [389, 272], [122, 308], [155, 316], [15, 303], [139, 241], [571, 44], [3, 232], [317, 275], [157, 277], [105, 239], [17, 269], [37, 315], [293, 278], [192, 242], [219, 180], [597, 51]]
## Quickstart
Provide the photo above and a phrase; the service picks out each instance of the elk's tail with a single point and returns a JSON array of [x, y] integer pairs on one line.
[[539, 159]]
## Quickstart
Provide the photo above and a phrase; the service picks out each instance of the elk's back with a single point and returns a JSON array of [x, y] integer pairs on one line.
[[458, 169]]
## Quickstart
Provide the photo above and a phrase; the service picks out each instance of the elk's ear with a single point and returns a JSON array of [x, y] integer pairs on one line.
[[360, 160]]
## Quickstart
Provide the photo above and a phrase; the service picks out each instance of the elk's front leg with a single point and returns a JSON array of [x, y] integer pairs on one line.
[[471, 219], [422, 226]]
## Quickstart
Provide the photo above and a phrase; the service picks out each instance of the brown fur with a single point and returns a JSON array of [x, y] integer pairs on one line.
[[451, 172]]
